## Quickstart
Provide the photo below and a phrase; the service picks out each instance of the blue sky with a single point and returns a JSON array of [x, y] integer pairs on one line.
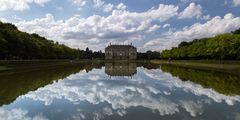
[[148, 24]]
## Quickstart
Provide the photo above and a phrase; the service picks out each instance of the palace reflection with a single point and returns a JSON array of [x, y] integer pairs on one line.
[[120, 69]]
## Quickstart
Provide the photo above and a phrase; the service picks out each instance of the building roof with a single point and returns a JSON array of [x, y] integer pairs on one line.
[[120, 46]]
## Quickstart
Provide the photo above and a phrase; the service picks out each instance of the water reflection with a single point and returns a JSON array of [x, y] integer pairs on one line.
[[120, 69], [149, 94], [20, 82], [223, 83]]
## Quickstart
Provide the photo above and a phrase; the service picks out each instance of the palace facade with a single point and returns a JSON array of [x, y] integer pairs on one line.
[[120, 52]]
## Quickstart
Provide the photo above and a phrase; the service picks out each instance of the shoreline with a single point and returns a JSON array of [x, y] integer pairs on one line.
[[226, 66]]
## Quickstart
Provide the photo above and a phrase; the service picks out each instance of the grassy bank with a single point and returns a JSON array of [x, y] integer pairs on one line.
[[221, 66]]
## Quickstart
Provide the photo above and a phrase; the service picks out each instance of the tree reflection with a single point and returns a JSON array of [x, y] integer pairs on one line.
[[221, 82], [16, 82]]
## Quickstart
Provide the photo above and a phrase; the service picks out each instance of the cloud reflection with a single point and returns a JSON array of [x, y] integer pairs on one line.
[[151, 89], [18, 114], [191, 87]]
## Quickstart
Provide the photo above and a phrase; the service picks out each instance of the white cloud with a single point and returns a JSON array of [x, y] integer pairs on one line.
[[153, 28], [191, 11], [79, 3], [97, 31], [98, 3], [122, 26], [40, 2], [108, 7], [126, 27], [4, 20], [206, 17], [214, 26], [121, 6], [19, 5], [166, 25]]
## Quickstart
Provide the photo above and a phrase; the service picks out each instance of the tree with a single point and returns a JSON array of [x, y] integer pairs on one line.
[[236, 31], [224, 46], [15, 44]]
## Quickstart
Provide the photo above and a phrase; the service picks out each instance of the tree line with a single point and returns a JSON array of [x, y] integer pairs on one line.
[[17, 45], [149, 55], [221, 47]]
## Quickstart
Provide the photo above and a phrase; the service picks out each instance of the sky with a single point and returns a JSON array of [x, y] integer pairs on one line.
[[147, 24]]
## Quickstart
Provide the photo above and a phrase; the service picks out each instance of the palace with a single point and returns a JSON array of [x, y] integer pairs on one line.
[[120, 52]]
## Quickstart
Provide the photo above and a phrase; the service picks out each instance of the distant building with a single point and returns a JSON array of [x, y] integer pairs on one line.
[[120, 52]]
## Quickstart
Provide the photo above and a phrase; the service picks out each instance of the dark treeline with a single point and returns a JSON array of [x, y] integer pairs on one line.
[[89, 54], [17, 45], [221, 47], [149, 55]]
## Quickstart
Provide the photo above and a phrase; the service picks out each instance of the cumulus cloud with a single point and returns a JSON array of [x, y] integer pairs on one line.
[[97, 31], [108, 7], [121, 6], [79, 3], [122, 26], [19, 5], [98, 3], [40, 2], [214, 26], [191, 11]]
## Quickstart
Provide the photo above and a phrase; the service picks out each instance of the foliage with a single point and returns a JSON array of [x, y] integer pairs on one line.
[[224, 46], [149, 55], [17, 45], [236, 31]]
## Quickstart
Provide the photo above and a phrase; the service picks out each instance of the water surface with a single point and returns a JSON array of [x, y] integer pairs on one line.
[[117, 91]]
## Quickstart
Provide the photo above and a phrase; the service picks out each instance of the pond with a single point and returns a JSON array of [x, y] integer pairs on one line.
[[119, 91]]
